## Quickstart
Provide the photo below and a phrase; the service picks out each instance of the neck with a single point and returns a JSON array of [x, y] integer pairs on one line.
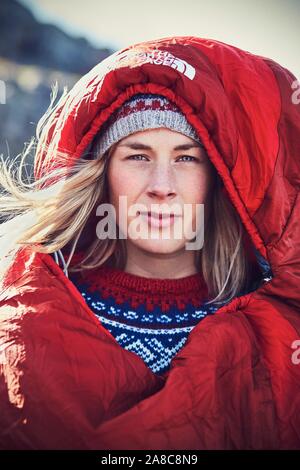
[[160, 265]]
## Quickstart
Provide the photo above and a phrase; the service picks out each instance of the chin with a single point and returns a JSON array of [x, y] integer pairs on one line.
[[159, 246]]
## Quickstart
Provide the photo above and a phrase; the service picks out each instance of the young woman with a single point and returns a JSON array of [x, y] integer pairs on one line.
[[150, 270]]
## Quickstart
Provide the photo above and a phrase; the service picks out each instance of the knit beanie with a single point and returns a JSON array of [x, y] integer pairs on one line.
[[142, 111]]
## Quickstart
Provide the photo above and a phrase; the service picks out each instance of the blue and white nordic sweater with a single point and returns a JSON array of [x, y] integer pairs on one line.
[[150, 317]]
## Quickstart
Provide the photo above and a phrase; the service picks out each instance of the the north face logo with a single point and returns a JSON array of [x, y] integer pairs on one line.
[[166, 58], [157, 57]]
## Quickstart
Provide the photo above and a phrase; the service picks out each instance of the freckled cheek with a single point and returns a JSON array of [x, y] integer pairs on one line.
[[123, 183], [194, 189]]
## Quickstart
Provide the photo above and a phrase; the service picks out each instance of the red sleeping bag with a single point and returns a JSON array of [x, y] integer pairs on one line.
[[65, 382]]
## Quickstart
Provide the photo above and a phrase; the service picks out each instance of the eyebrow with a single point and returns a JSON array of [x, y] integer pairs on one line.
[[140, 146]]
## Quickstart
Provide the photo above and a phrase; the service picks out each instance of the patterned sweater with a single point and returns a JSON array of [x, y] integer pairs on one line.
[[150, 317]]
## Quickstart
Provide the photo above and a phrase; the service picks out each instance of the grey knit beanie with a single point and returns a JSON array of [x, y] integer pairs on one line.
[[142, 111]]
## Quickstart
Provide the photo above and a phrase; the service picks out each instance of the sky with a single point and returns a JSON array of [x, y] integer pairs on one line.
[[270, 28]]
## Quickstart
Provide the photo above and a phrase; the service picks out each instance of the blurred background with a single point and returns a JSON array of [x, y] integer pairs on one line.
[[48, 41]]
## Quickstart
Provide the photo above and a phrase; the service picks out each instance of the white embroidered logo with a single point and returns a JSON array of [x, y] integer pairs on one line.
[[166, 58], [157, 57]]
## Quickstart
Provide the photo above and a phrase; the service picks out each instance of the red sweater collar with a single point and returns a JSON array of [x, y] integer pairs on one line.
[[139, 289]]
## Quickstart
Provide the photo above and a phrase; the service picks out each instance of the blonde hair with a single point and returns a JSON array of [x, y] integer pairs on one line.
[[29, 211]]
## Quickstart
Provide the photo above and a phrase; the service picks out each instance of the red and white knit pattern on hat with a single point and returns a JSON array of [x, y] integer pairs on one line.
[[141, 112]]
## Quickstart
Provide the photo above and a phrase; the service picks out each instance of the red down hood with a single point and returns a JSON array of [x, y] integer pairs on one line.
[[66, 382]]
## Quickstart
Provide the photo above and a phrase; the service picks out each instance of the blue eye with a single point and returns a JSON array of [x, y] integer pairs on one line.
[[133, 157], [189, 156]]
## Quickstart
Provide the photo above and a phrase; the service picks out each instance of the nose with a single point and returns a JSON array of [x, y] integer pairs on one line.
[[161, 182]]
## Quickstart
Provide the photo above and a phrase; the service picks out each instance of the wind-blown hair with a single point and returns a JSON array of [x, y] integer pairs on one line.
[[54, 210]]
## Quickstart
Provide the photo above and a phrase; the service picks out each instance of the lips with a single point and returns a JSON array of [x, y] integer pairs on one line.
[[158, 220], [158, 216]]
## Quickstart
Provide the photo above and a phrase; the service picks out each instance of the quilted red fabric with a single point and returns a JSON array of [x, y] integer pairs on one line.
[[65, 382]]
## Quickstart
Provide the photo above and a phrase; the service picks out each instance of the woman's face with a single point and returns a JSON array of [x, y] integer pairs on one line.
[[165, 168]]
